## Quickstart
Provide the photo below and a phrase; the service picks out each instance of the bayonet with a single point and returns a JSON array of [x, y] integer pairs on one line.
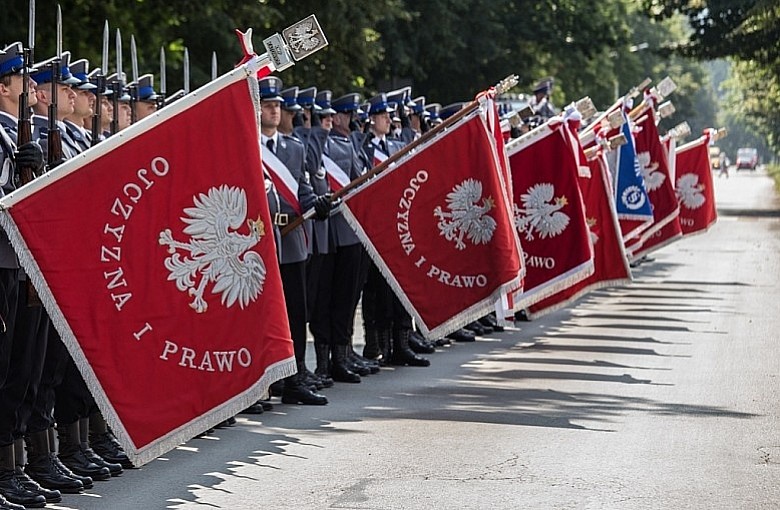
[[59, 32], [186, 71], [163, 84], [213, 65], [134, 58], [163, 81], [104, 63], [134, 88], [31, 27], [118, 85], [119, 56]]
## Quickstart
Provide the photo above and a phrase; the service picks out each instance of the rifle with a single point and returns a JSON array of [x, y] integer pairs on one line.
[[117, 85], [54, 137], [23, 126]]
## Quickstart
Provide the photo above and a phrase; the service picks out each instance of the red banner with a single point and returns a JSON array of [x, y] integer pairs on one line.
[[438, 226], [610, 260], [549, 212], [154, 255], [653, 160], [694, 187]]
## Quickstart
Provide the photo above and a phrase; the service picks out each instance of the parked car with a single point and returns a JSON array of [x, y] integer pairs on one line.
[[747, 157]]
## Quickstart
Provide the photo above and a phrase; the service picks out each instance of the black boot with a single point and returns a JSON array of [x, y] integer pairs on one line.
[[73, 457], [364, 363], [384, 338], [491, 320], [419, 344], [402, 354], [51, 496], [477, 328], [114, 468], [296, 392], [10, 488], [371, 349], [463, 335], [104, 443], [323, 363], [339, 367], [54, 447], [7, 505]]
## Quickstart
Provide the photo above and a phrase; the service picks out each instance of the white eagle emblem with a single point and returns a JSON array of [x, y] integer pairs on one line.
[[467, 218], [303, 37], [653, 178], [216, 252], [689, 191], [541, 212]]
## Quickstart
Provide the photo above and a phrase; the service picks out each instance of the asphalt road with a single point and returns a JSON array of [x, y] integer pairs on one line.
[[661, 394]]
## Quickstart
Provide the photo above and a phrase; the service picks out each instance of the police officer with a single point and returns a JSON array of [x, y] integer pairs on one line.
[[540, 103], [16, 357], [317, 231], [147, 101], [284, 157], [344, 268], [66, 101], [83, 107], [384, 317], [106, 106], [402, 104], [124, 114]]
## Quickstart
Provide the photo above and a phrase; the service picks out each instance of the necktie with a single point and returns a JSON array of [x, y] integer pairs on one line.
[[383, 146], [270, 145]]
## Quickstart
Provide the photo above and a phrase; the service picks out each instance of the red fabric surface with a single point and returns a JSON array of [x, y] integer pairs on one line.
[[547, 195], [95, 234], [694, 188], [660, 188], [610, 262], [441, 281]]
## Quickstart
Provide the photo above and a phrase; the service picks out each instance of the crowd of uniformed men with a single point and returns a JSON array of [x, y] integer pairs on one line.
[[53, 439]]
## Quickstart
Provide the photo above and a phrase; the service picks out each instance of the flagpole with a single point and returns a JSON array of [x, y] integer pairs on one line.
[[504, 85]]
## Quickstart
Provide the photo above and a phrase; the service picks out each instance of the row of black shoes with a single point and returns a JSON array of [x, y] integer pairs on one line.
[[340, 363], [38, 469]]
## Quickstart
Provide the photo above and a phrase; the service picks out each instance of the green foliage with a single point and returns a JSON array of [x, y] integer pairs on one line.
[[447, 49], [747, 32], [774, 172], [752, 94], [746, 29]]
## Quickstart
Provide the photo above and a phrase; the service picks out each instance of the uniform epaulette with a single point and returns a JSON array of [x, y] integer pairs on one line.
[[292, 138]]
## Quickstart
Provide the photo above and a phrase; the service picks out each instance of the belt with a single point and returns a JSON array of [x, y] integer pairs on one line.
[[281, 219]]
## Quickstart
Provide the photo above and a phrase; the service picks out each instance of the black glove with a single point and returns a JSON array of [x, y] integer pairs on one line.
[[315, 119], [322, 206], [405, 122], [29, 155], [298, 119]]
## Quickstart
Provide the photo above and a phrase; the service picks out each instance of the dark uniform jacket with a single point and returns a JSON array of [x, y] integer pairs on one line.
[[8, 259], [341, 150], [314, 140], [41, 134], [77, 135], [291, 152]]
